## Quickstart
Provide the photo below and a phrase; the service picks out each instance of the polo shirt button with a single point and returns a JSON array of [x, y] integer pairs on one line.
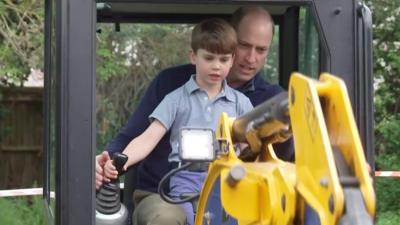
[[209, 108], [205, 98]]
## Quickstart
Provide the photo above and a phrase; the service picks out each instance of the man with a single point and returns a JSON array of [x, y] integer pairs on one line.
[[254, 27]]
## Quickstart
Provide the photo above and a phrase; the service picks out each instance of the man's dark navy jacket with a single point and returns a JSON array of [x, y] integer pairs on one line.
[[155, 166]]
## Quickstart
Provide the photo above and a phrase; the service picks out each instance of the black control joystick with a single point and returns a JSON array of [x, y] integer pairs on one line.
[[109, 209]]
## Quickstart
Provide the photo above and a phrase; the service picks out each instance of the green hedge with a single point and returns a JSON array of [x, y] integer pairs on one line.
[[22, 211]]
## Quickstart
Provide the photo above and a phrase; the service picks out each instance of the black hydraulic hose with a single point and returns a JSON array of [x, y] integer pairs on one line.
[[164, 196]]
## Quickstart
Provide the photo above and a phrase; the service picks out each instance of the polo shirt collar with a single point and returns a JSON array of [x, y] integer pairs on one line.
[[227, 92], [191, 86]]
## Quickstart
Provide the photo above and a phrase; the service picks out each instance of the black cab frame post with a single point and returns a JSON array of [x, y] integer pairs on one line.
[[75, 158], [346, 30], [70, 70]]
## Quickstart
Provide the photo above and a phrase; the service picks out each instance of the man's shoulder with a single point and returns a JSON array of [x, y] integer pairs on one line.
[[176, 72], [237, 93], [171, 78], [177, 93], [263, 90], [260, 84]]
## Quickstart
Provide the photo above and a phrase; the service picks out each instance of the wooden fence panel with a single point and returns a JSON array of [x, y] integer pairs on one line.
[[21, 134]]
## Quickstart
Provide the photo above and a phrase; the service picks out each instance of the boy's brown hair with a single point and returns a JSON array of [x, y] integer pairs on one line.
[[214, 35]]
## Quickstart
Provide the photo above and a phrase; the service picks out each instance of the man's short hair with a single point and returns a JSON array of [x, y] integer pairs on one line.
[[214, 35], [244, 11]]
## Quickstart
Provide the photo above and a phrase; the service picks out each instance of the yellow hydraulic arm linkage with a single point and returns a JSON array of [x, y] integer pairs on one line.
[[330, 173]]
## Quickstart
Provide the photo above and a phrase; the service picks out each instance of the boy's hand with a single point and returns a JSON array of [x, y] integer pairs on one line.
[[110, 171]]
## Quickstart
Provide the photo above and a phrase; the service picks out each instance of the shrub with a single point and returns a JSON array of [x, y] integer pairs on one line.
[[22, 211]]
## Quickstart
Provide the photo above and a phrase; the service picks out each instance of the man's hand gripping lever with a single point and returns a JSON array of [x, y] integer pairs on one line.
[[109, 209]]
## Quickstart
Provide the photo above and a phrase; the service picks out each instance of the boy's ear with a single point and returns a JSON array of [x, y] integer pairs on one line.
[[192, 56]]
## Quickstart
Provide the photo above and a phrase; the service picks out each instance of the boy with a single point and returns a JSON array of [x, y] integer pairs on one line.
[[198, 103]]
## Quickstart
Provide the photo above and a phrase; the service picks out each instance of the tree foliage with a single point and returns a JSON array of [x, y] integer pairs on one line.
[[126, 62], [386, 76], [22, 211], [386, 43], [21, 39]]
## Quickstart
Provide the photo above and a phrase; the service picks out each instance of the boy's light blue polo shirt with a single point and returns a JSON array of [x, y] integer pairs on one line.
[[189, 106]]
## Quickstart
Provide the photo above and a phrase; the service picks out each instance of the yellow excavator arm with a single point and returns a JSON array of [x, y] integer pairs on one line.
[[329, 175]]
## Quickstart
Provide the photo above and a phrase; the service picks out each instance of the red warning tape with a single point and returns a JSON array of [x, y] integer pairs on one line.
[[30, 191], [387, 173], [21, 192], [24, 192]]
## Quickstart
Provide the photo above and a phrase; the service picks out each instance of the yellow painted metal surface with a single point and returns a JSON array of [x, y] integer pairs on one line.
[[316, 173], [321, 117], [266, 195], [275, 192], [343, 133]]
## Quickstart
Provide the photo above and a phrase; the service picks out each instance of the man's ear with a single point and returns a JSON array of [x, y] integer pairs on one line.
[[192, 56]]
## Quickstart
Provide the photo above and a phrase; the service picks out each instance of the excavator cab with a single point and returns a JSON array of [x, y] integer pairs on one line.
[[312, 36]]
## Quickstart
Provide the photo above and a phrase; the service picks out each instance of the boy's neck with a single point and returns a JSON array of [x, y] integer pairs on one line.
[[211, 90]]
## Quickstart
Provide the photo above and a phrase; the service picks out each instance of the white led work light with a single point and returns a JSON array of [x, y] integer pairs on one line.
[[196, 144]]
